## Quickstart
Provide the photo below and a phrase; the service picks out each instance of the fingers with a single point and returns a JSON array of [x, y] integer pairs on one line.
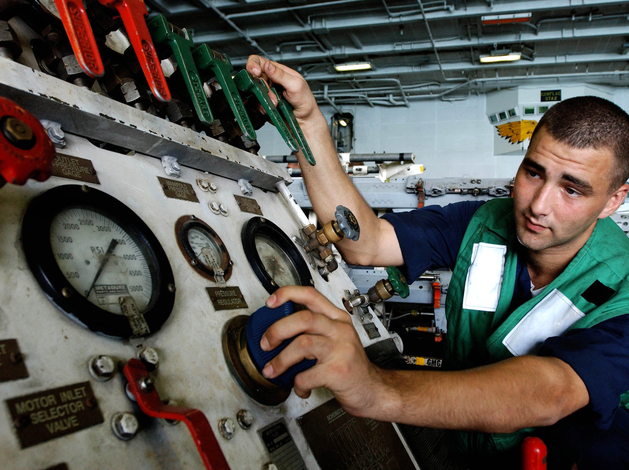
[[309, 297]]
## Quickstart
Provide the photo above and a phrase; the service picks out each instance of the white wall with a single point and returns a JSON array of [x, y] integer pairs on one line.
[[452, 139]]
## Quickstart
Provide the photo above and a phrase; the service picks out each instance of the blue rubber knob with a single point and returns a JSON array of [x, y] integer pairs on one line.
[[258, 323]]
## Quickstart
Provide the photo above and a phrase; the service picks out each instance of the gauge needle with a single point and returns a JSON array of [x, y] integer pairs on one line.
[[110, 250]]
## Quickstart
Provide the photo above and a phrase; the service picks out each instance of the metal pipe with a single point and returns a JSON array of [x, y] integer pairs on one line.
[[293, 206], [210, 4], [286, 9], [329, 100], [354, 157]]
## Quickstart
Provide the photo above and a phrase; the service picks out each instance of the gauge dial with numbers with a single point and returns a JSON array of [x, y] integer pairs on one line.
[[275, 259], [98, 261], [203, 248]]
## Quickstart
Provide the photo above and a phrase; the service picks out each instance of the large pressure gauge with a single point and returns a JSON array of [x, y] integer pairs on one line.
[[98, 261], [274, 258]]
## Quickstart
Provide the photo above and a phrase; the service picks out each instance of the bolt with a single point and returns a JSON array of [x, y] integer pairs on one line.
[[66, 292], [15, 358], [149, 357], [172, 288], [227, 427], [102, 368], [55, 132], [18, 133], [147, 384], [244, 418], [194, 262], [214, 207], [22, 421], [223, 210], [124, 425], [91, 402]]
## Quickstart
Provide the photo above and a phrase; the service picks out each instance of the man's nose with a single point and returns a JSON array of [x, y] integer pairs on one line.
[[542, 201]]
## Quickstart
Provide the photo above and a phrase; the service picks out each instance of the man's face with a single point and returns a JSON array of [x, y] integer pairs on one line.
[[559, 194]]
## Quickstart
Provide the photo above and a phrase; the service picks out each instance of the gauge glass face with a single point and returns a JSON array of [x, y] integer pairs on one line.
[[100, 260], [205, 248], [276, 262]]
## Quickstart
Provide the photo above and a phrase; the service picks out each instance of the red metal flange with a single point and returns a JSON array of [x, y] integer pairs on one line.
[[151, 404], [26, 151], [534, 454]]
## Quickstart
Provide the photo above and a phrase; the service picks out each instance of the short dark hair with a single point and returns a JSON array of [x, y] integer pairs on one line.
[[591, 122]]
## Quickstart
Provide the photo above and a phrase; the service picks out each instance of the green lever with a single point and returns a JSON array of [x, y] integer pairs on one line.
[[163, 32], [287, 111], [220, 64], [398, 282], [247, 83]]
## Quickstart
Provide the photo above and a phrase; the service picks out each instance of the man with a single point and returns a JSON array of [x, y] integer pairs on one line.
[[537, 306]]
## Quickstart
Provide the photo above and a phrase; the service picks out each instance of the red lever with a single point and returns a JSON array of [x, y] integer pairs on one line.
[[436, 290], [133, 13], [197, 423], [77, 26], [26, 151], [534, 454]]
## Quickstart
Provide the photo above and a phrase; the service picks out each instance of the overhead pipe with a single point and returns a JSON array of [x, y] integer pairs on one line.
[[210, 4]]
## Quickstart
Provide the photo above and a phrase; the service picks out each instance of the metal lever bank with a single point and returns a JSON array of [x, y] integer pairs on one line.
[[133, 13], [287, 111], [248, 84], [81, 37], [181, 45], [220, 64]]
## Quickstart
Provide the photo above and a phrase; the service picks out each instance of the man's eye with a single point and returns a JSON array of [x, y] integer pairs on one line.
[[532, 173], [572, 192]]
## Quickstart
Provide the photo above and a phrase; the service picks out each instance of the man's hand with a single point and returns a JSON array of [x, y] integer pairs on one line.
[[296, 90], [325, 333]]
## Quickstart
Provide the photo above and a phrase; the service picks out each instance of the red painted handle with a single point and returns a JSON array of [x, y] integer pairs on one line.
[[133, 14], [34, 159], [534, 454], [197, 423], [77, 26]]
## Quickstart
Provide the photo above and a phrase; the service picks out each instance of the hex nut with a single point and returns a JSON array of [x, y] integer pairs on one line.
[[214, 207], [149, 358], [124, 425], [227, 427], [244, 418], [102, 368]]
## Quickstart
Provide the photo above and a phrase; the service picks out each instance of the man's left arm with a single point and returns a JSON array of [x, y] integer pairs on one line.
[[513, 394]]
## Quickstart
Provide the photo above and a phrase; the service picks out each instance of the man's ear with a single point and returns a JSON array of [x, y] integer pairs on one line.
[[615, 201]]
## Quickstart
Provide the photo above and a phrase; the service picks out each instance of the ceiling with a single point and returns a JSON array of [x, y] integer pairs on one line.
[[418, 49]]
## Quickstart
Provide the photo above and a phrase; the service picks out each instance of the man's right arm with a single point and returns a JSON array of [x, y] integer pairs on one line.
[[327, 183]]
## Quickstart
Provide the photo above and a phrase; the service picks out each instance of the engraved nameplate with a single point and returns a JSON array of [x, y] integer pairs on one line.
[[46, 415], [74, 168], [247, 204], [12, 365], [226, 298], [178, 190]]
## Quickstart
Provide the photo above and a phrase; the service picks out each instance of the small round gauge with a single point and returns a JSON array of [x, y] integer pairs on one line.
[[98, 261], [274, 258], [203, 248]]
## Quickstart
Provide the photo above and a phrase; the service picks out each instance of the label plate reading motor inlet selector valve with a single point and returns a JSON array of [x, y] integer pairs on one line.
[[340, 441], [248, 204], [74, 168], [46, 415], [226, 298], [12, 365], [178, 190], [281, 447]]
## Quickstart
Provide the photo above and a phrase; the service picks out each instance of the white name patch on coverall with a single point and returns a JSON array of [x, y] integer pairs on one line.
[[551, 317], [484, 277]]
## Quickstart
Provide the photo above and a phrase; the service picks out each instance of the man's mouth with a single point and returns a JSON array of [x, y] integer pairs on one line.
[[533, 227]]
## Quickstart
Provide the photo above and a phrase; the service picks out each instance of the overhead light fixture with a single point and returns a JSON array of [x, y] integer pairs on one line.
[[353, 66], [502, 55], [342, 122]]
